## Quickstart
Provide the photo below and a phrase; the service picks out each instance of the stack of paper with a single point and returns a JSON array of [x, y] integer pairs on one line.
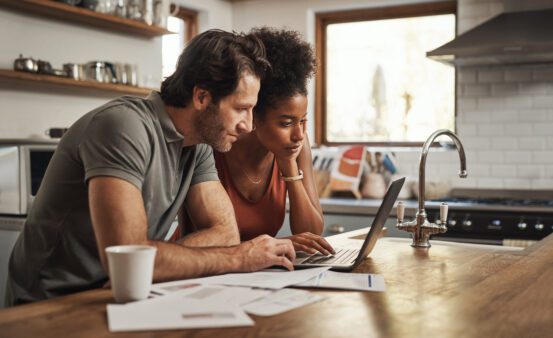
[[210, 302], [222, 301]]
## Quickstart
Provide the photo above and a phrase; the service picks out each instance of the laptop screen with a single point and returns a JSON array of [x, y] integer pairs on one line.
[[380, 219]]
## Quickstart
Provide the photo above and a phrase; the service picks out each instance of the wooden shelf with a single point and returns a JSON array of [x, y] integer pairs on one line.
[[84, 86], [68, 13]]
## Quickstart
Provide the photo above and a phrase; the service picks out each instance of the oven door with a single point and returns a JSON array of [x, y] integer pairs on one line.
[[10, 192], [34, 162]]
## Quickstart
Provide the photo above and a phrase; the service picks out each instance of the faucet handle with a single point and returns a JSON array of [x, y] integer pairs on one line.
[[400, 211], [443, 213]]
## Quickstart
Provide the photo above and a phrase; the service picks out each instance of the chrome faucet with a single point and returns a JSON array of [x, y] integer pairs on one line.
[[420, 227]]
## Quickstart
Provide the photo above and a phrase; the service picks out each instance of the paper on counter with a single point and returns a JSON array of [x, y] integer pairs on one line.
[[212, 295], [169, 312], [262, 279], [346, 281], [281, 301]]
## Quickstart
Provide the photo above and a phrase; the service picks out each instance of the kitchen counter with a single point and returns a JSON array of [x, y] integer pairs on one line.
[[449, 290], [370, 206]]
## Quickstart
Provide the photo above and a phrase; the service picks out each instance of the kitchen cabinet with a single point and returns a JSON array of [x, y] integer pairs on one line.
[[31, 80], [7, 241], [67, 13]]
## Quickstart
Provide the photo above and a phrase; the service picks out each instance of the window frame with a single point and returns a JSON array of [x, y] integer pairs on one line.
[[190, 18], [323, 19]]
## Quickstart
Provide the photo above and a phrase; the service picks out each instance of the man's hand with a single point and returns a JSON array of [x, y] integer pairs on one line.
[[311, 243], [265, 251]]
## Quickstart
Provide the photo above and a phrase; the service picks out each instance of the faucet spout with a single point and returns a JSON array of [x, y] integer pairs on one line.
[[422, 164], [420, 227]]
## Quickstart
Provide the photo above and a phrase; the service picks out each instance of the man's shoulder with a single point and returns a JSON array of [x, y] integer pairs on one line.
[[126, 106]]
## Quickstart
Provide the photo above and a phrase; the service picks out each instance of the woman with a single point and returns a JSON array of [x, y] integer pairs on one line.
[[275, 158]]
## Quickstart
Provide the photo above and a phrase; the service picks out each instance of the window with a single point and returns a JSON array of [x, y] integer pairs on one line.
[[375, 84], [184, 23]]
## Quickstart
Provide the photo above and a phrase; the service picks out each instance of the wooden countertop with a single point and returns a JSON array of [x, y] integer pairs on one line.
[[444, 291]]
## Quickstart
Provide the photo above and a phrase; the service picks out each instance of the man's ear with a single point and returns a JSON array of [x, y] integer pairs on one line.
[[200, 98]]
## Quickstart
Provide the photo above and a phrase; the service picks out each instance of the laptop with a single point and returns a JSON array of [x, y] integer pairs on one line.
[[346, 259]]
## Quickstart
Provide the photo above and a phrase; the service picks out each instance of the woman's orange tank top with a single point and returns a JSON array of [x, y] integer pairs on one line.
[[264, 216]]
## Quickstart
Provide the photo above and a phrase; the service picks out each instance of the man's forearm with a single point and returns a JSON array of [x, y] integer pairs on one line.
[[175, 261], [178, 262], [213, 236]]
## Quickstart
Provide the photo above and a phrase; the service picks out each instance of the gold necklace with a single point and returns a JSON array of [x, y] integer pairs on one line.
[[255, 180]]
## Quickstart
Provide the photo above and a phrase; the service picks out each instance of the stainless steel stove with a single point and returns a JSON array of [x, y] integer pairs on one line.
[[501, 221]]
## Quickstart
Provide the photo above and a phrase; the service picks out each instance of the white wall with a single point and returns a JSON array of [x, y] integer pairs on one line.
[[212, 13], [27, 111]]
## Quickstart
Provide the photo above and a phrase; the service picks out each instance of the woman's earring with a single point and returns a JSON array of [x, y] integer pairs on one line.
[[253, 127]]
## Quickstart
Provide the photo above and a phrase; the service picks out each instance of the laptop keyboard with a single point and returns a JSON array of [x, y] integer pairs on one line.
[[342, 256]]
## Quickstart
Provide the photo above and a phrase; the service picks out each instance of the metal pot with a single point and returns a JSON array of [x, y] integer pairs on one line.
[[99, 71], [74, 70], [44, 67], [25, 64]]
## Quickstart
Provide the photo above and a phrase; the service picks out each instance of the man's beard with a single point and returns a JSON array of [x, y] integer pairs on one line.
[[211, 129]]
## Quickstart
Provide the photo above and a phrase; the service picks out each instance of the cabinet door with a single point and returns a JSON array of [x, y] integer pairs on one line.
[[7, 241]]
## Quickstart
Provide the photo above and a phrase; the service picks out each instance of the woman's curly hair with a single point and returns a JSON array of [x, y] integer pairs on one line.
[[292, 62]]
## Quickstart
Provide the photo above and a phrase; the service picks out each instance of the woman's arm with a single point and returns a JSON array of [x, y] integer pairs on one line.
[[306, 215]]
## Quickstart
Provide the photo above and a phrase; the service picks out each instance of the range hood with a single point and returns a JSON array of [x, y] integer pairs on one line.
[[509, 38]]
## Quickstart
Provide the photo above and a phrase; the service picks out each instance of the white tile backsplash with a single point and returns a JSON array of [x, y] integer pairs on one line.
[[479, 90], [519, 101], [519, 75], [517, 157], [544, 129], [491, 129], [504, 143], [542, 184], [491, 76], [518, 129], [502, 89], [531, 143], [505, 116], [540, 157], [489, 183], [545, 101], [530, 171], [491, 103], [517, 183], [504, 113]]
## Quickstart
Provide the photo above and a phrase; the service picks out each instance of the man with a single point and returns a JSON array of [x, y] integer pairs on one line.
[[122, 171]]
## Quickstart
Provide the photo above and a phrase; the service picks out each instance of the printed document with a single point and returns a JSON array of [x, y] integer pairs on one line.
[[346, 281], [172, 312], [281, 301], [267, 279]]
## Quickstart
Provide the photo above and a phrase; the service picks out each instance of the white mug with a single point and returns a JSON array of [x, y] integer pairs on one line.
[[131, 270]]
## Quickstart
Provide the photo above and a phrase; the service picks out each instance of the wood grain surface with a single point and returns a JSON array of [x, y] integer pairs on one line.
[[444, 291]]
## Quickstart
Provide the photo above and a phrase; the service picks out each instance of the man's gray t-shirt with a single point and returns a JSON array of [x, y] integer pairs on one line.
[[129, 138]]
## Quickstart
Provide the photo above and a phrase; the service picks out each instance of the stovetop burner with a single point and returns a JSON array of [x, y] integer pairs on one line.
[[500, 201]]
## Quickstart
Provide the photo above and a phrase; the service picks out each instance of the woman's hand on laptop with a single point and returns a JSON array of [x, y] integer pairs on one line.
[[311, 243]]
